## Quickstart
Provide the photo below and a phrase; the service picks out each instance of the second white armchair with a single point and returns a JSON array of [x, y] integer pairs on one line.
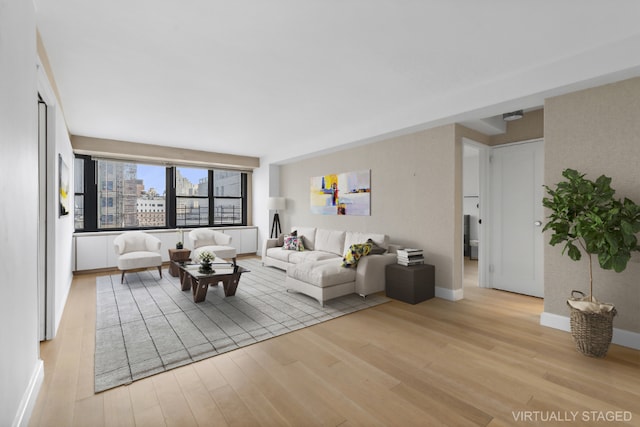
[[205, 239]]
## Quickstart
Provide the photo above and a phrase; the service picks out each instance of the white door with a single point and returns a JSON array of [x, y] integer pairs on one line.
[[516, 178]]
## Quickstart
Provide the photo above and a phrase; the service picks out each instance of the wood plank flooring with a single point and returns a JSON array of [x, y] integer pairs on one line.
[[482, 361]]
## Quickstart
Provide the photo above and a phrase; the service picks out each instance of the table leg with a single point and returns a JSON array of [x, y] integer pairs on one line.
[[199, 288], [185, 280], [231, 284], [198, 294]]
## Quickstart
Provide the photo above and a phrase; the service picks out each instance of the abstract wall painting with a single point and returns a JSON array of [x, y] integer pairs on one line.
[[63, 181], [346, 193]]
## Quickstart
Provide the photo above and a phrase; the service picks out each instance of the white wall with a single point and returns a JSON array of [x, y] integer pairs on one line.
[[20, 366], [60, 229], [261, 191], [59, 252], [61, 259]]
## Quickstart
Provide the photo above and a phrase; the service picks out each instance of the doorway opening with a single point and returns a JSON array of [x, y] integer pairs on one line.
[[471, 213]]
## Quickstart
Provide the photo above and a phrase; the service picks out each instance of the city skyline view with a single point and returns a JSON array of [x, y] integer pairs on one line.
[[154, 176], [133, 195]]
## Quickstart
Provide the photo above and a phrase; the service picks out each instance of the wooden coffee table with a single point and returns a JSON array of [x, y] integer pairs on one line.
[[192, 278]]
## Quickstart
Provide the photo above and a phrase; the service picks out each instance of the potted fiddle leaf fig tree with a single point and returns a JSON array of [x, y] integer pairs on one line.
[[587, 218]]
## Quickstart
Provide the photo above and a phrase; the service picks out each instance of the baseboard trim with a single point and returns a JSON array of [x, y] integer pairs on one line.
[[449, 294], [30, 396], [620, 336]]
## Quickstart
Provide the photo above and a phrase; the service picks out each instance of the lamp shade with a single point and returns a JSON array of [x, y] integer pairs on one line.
[[276, 203]]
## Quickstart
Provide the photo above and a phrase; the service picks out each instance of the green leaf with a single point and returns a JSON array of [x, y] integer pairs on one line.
[[611, 240], [574, 252], [571, 174], [630, 240], [557, 238], [626, 227], [605, 260], [619, 263]]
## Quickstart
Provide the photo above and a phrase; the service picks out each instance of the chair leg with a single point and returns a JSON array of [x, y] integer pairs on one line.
[[160, 270], [122, 278]]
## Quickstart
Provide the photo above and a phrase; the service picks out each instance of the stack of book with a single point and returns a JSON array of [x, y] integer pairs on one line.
[[409, 256]]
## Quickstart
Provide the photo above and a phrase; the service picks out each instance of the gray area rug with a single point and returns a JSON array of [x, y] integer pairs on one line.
[[148, 325]]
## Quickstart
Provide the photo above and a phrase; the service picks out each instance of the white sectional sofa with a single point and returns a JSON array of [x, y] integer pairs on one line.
[[317, 271]]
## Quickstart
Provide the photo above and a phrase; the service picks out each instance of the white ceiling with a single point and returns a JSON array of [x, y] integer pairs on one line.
[[283, 78]]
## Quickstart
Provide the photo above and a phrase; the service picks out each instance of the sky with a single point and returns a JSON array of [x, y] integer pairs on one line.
[[154, 176]]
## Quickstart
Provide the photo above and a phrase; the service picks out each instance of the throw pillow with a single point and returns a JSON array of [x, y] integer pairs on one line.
[[293, 243], [280, 240], [354, 253], [375, 249]]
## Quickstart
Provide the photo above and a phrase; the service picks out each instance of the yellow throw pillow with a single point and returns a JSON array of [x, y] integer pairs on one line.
[[354, 253]]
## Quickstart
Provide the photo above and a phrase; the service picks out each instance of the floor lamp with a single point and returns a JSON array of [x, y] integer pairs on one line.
[[275, 204]]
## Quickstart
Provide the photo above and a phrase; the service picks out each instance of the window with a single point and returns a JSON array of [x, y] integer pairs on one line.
[[106, 202], [228, 198], [78, 199], [124, 190], [192, 197], [116, 195]]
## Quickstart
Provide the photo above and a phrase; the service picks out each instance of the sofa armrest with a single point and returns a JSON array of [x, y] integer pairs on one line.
[[370, 273], [268, 244]]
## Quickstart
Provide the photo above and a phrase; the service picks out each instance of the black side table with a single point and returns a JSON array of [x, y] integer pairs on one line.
[[411, 284]]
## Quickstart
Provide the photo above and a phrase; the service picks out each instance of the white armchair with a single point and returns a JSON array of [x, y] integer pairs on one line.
[[137, 250], [205, 239]]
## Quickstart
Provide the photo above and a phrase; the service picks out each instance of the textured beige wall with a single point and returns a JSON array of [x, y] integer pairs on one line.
[[596, 131], [464, 132], [531, 126], [413, 194]]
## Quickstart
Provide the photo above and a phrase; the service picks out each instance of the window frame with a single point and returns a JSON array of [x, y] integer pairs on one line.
[[111, 169], [242, 198], [174, 211], [91, 197]]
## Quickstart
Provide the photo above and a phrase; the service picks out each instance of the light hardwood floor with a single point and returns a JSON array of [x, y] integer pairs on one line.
[[482, 361]]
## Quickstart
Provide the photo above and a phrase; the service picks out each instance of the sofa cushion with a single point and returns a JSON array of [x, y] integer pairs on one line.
[[330, 241], [375, 249], [224, 252], [324, 273], [298, 257], [279, 254], [139, 259], [352, 256], [206, 237], [293, 243], [308, 235], [353, 237], [136, 243]]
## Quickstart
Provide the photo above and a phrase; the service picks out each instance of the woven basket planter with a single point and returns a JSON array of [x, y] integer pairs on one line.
[[591, 331]]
